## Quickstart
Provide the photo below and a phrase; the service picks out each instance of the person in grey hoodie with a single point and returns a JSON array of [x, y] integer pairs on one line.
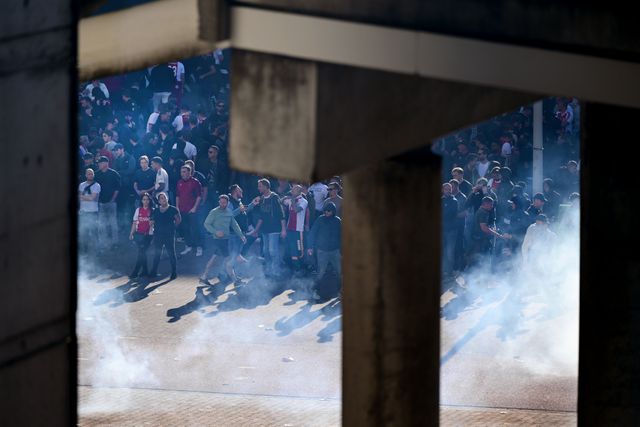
[[325, 240], [219, 222]]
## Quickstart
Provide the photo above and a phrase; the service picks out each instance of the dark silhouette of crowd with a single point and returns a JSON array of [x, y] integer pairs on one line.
[[492, 220]]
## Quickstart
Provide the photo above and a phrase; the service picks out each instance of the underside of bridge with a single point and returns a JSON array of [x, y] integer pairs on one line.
[[321, 88]]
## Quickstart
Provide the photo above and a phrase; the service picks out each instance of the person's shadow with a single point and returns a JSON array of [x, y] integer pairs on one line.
[[199, 302], [329, 313], [256, 292], [129, 292]]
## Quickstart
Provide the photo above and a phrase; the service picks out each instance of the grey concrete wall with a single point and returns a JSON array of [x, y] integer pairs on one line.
[[37, 273], [609, 370], [391, 298]]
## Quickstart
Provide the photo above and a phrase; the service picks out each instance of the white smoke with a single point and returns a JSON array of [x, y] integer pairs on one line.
[[527, 312]]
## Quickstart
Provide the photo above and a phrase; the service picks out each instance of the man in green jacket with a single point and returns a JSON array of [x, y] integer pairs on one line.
[[219, 223]]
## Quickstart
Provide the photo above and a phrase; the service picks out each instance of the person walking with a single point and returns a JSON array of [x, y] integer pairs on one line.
[[219, 221], [325, 240], [142, 233], [164, 221]]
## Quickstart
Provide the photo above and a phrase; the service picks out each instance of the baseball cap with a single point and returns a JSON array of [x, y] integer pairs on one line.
[[103, 159], [540, 196], [118, 147]]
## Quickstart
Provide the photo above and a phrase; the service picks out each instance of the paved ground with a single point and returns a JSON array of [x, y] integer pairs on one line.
[[176, 353], [138, 407]]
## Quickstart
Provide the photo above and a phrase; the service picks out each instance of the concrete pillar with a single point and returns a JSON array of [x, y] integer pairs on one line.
[[609, 369], [327, 119], [391, 304], [538, 147], [37, 232]]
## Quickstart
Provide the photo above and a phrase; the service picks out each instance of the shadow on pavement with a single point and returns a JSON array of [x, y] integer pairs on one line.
[[129, 292]]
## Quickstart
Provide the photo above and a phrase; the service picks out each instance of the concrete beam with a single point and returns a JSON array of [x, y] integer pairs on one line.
[[391, 303], [162, 30], [437, 56], [324, 119], [605, 29]]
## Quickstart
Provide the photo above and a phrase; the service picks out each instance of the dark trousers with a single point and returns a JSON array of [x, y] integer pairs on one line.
[[143, 241], [247, 246], [191, 229], [168, 241]]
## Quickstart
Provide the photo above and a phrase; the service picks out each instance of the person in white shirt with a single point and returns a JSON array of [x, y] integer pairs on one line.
[[538, 244], [88, 193], [320, 191], [296, 223], [162, 177], [95, 83], [482, 166], [190, 150]]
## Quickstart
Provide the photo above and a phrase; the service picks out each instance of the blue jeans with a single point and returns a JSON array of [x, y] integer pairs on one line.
[[271, 250]]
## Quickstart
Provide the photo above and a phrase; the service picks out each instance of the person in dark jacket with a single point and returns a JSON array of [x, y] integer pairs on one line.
[[325, 239], [516, 223], [449, 229]]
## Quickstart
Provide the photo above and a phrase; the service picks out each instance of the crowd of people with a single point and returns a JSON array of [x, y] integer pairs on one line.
[[155, 171], [491, 219]]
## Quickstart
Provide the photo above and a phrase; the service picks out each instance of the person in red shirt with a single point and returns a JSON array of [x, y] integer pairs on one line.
[[188, 197], [142, 233]]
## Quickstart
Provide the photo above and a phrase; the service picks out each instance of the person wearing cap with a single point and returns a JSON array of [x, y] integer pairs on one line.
[[482, 233], [537, 205], [110, 184], [325, 240], [538, 243], [88, 162], [515, 224]]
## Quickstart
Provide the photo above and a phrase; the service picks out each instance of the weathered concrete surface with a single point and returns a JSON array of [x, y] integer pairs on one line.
[[391, 294], [603, 29], [37, 296], [609, 320], [273, 114], [163, 30], [303, 120]]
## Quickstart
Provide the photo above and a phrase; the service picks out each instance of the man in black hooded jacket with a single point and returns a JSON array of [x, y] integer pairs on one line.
[[325, 238]]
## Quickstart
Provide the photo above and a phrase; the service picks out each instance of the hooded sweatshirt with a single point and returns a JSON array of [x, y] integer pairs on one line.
[[325, 235]]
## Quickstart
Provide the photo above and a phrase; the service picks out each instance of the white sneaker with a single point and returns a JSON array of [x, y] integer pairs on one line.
[[186, 250], [198, 251]]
